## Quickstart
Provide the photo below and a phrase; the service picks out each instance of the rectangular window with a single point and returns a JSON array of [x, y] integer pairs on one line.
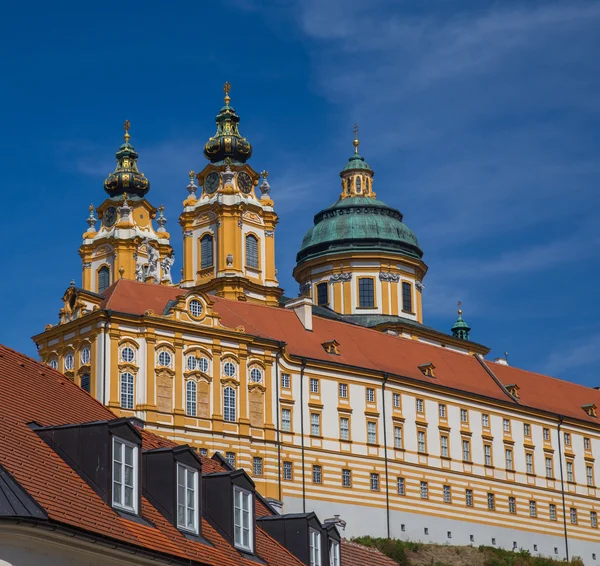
[[370, 395], [546, 434], [527, 429], [242, 519], [485, 421], [466, 451], [509, 459], [371, 432], [286, 420], [444, 451], [512, 505], [346, 478], [252, 251], [464, 416], [343, 390], [552, 512], [206, 251], [125, 475], [315, 424], [587, 443], [420, 405], [594, 519], [396, 400], [532, 509], [570, 476], [334, 553], [442, 411], [398, 437], [288, 471], [315, 548], [589, 474], [573, 514], [424, 490], [447, 494], [314, 385], [366, 293], [529, 463], [374, 482], [187, 497], [322, 294], [421, 447], [487, 452], [230, 457], [257, 466], [506, 425], [469, 497], [491, 500], [567, 439], [406, 297], [317, 474], [401, 486], [285, 380], [549, 471], [344, 428]]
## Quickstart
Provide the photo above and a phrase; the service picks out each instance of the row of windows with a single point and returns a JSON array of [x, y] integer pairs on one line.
[[366, 294], [69, 359], [207, 251]]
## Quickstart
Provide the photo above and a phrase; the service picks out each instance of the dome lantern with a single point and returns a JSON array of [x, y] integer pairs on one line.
[[357, 175], [461, 329]]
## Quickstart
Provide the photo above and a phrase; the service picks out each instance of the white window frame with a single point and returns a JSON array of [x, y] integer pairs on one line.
[[314, 385], [334, 553], [256, 375], [447, 494], [343, 390], [421, 442], [345, 430], [424, 490], [119, 444], [288, 470], [257, 466], [203, 364], [346, 478], [420, 405], [371, 432], [129, 359], [506, 425], [374, 481], [191, 398], [396, 400], [164, 359], [570, 476], [464, 416], [549, 468], [444, 450], [529, 462], [398, 437], [512, 505], [442, 411], [69, 361], [546, 434], [196, 308], [487, 452], [370, 393], [286, 423], [317, 473], [485, 420], [466, 450], [128, 395], [228, 406], [187, 470], [285, 380], [532, 508], [315, 424], [239, 497], [469, 497], [552, 511], [85, 355], [229, 372], [314, 547]]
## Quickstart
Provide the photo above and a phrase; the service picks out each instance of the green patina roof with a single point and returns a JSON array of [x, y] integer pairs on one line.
[[358, 224], [460, 323], [356, 162]]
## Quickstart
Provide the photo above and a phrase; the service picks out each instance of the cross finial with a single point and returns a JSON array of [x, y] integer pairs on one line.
[[126, 127], [356, 143], [161, 209], [226, 89], [459, 307], [264, 173], [192, 174]]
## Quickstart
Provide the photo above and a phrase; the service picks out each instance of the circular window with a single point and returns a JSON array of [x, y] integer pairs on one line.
[[54, 364], [127, 354], [203, 365], [196, 308], [85, 355], [229, 369], [69, 361], [256, 375], [164, 359], [192, 362]]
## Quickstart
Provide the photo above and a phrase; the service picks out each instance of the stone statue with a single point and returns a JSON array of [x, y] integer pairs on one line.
[[166, 265], [139, 271], [153, 256]]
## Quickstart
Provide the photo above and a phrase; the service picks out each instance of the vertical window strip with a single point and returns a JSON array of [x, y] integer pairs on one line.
[[206, 251], [252, 251]]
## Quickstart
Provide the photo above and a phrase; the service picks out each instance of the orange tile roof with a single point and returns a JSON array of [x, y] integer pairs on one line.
[[354, 554], [32, 392]]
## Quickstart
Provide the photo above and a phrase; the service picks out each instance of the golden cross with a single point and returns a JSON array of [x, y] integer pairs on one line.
[[226, 89], [264, 173], [192, 174], [356, 143], [126, 127], [459, 307]]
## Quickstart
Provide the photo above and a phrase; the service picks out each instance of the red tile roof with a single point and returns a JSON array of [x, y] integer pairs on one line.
[[354, 554], [30, 391]]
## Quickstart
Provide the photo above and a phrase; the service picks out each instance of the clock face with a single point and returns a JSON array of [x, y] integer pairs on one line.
[[211, 184], [244, 182], [110, 215]]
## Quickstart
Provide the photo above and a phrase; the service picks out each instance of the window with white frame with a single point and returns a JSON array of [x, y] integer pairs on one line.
[[464, 416], [285, 380], [257, 466], [526, 429], [196, 308], [506, 425], [587, 443], [567, 439], [191, 363], [344, 428], [485, 421], [466, 450], [315, 548], [444, 451], [317, 474], [343, 390], [509, 459], [398, 437], [529, 463], [229, 369], [230, 459], [54, 363], [546, 434], [424, 490], [314, 385], [401, 486], [420, 405], [549, 471], [286, 420], [229, 404], [203, 364], [487, 454], [242, 519], [256, 375], [512, 505], [346, 478], [164, 359], [190, 399], [491, 501], [288, 471], [85, 355], [396, 400], [334, 553], [371, 432], [69, 361], [552, 510], [374, 482], [252, 251], [127, 354], [570, 476], [187, 498], [469, 497], [370, 395], [532, 509], [127, 400], [315, 424], [573, 514], [589, 474], [421, 446], [447, 494], [125, 475], [442, 410], [594, 519]]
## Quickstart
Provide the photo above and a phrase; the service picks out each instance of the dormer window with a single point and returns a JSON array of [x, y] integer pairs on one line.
[[513, 389], [334, 553], [242, 519], [590, 410], [331, 347], [187, 498], [428, 369], [125, 474], [315, 548]]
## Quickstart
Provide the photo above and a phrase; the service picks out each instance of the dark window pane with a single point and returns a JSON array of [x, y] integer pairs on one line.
[[366, 293], [206, 251], [406, 297], [322, 298]]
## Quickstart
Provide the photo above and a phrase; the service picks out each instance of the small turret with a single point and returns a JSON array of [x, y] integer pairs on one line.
[[461, 329]]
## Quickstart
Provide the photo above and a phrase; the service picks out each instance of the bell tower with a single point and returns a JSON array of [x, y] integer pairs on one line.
[[126, 245], [228, 230]]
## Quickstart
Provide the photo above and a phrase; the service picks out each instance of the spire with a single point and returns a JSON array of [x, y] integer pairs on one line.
[[126, 176], [356, 143], [227, 141], [460, 329], [357, 175]]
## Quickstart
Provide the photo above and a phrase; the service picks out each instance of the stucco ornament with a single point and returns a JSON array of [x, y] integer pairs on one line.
[[166, 265]]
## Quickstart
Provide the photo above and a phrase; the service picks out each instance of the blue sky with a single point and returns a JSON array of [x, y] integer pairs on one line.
[[481, 120]]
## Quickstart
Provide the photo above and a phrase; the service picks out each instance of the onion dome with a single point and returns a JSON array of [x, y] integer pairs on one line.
[[227, 141], [460, 329], [126, 178]]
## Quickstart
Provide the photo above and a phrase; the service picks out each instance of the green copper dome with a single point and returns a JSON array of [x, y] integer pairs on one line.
[[358, 224], [356, 163]]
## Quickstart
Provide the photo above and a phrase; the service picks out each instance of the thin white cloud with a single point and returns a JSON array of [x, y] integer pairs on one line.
[[573, 355]]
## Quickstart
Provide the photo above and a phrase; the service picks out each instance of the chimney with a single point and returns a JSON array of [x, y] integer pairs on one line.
[[302, 306], [501, 361]]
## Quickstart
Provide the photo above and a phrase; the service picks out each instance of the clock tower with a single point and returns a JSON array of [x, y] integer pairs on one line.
[[229, 230], [125, 245]]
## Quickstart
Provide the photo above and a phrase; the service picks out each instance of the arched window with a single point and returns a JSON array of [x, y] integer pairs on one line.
[[85, 355], [54, 363], [164, 359], [252, 251], [358, 184], [85, 382], [256, 375], [203, 365], [190, 399], [192, 362], [206, 251], [127, 390], [229, 369], [103, 278], [127, 354], [229, 404], [69, 361]]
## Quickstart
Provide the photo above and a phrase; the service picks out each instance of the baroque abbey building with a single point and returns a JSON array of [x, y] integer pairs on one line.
[[340, 401]]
